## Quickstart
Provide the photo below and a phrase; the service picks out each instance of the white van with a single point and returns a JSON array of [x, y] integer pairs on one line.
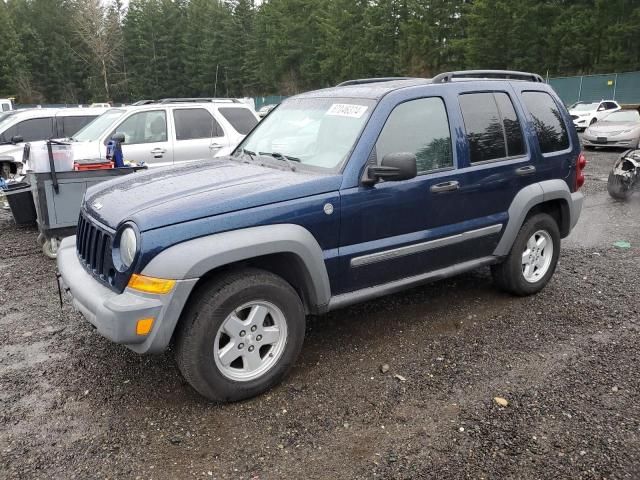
[[6, 104]]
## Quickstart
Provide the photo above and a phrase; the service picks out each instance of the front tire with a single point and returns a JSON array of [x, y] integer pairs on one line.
[[532, 259], [240, 335]]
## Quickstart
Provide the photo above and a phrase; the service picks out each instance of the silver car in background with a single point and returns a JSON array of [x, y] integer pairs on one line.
[[618, 129]]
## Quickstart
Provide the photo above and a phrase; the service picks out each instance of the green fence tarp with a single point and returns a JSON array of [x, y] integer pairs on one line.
[[622, 87], [268, 100]]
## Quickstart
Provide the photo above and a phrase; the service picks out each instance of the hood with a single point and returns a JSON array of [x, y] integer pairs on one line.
[[612, 127], [192, 190]]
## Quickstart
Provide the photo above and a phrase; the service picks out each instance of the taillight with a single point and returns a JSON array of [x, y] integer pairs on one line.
[[580, 164]]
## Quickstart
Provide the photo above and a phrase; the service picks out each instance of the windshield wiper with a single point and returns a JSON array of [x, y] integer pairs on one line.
[[250, 153], [286, 158]]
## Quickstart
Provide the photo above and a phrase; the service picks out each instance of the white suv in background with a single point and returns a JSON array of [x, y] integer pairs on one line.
[[584, 114], [18, 126], [168, 131]]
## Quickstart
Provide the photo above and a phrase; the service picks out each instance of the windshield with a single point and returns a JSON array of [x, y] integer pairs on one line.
[[319, 132], [623, 116], [583, 107], [97, 127]]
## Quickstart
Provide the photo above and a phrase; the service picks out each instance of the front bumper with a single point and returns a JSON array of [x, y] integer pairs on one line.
[[115, 315], [616, 141]]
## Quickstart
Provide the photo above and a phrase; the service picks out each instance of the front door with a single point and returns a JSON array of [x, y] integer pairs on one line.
[[455, 209], [146, 138]]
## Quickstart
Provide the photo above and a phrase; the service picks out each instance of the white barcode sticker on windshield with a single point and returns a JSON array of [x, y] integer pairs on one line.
[[347, 110]]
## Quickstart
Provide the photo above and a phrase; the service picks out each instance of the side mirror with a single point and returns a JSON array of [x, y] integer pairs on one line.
[[118, 137], [393, 168], [600, 109], [17, 139]]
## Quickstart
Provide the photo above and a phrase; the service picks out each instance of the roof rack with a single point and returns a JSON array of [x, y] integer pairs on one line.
[[363, 81], [487, 74], [195, 100], [187, 100]]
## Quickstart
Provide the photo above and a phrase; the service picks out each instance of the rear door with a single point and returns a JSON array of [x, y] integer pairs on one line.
[[197, 134], [147, 138], [556, 149]]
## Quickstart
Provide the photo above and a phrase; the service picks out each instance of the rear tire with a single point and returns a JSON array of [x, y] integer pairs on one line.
[[532, 259], [240, 335], [617, 188]]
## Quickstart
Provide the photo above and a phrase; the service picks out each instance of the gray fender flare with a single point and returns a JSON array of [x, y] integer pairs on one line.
[[194, 258], [529, 197]]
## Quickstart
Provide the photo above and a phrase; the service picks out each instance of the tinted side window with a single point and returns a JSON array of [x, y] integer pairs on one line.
[[144, 127], [35, 129], [547, 121], [513, 132], [8, 134], [71, 125], [422, 128], [5, 107], [194, 123], [240, 118], [483, 125]]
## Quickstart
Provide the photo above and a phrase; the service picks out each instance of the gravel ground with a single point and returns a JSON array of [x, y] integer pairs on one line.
[[73, 405]]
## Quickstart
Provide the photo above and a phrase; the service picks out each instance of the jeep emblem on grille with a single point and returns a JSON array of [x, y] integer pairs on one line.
[[97, 205]]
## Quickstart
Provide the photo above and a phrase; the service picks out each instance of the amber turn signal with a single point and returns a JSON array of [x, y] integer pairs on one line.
[[143, 326], [150, 284]]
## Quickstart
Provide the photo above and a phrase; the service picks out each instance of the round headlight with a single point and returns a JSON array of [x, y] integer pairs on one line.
[[128, 246]]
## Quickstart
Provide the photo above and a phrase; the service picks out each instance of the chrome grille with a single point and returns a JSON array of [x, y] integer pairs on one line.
[[93, 245]]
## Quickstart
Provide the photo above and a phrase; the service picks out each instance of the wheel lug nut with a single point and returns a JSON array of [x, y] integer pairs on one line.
[[241, 346], [259, 337], [243, 333], [251, 348], [254, 328]]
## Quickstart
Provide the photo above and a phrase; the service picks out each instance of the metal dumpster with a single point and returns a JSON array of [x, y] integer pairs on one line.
[[57, 197]]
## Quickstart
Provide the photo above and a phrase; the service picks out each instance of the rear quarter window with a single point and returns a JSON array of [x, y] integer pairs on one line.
[[240, 118], [547, 121]]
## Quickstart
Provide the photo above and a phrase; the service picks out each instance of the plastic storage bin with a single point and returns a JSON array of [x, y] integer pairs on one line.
[[38, 158], [21, 203]]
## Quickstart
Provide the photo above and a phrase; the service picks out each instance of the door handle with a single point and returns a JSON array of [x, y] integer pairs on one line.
[[216, 146], [158, 152], [526, 170], [445, 187]]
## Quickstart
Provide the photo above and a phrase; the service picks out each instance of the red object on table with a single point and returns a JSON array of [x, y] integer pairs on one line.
[[92, 166]]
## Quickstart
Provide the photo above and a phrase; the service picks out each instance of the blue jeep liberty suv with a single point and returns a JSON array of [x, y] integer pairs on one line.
[[338, 196]]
